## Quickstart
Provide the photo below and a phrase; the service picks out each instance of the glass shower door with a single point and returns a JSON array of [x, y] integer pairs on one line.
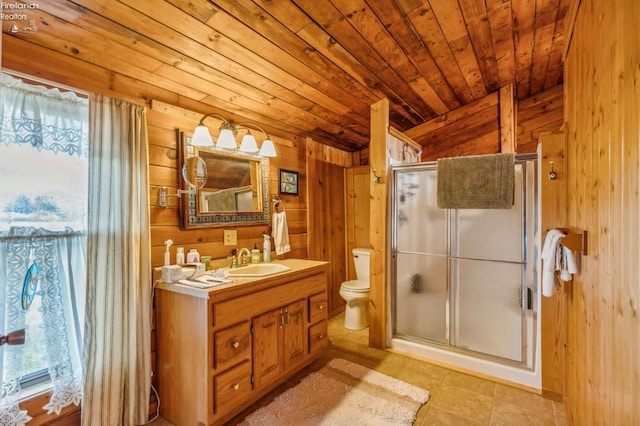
[[421, 263], [487, 272]]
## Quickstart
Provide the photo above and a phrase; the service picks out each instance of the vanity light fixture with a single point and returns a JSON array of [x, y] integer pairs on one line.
[[228, 132]]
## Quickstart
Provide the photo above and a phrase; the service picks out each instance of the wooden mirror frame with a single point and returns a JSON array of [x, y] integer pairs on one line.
[[189, 215]]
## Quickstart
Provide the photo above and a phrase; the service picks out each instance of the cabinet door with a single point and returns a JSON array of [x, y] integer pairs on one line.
[[295, 335], [267, 346]]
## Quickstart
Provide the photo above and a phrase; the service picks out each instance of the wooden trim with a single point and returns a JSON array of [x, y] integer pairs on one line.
[[569, 25], [507, 120], [553, 147], [378, 224]]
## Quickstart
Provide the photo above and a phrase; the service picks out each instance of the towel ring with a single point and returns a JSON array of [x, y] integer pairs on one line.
[[276, 203]]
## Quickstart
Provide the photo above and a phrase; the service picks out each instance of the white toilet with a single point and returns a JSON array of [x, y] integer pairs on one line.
[[356, 292]]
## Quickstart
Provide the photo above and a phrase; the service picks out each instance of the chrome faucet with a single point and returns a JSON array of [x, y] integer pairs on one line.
[[242, 257]]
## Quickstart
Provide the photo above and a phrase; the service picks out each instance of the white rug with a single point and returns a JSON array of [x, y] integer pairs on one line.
[[343, 393]]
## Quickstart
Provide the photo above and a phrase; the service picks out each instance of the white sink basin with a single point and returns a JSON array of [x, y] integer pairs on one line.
[[257, 270]]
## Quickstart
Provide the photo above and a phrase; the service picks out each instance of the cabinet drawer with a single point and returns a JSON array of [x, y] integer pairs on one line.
[[232, 345], [318, 338], [232, 388], [317, 307]]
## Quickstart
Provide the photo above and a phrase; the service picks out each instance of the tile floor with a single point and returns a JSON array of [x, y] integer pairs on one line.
[[456, 398]]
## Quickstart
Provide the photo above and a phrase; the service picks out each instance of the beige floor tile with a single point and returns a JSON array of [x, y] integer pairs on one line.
[[466, 381], [438, 417], [464, 402], [508, 414], [522, 398]]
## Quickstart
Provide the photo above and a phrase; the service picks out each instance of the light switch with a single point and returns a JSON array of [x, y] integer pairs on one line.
[[230, 237]]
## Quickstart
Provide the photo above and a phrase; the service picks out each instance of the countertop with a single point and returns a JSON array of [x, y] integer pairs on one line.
[[297, 266]]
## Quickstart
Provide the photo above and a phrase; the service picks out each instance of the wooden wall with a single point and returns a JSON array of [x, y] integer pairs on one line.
[[474, 129], [553, 196], [327, 232], [602, 112], [358, 184]]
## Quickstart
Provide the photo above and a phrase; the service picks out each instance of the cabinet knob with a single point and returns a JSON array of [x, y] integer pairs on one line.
[[236, 386], [321, 336], [321, 306], [235, 345]]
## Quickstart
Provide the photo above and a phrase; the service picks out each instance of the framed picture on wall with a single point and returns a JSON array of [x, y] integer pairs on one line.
[[288, 182]]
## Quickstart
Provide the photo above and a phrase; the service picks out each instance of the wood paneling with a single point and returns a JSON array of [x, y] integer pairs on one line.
[[537, 114], [474, 129], [357, 213], [553, 194], [602, 111], [326, 212], [304, 67]]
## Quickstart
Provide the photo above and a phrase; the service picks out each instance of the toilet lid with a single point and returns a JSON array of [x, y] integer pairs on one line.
[[356, 285]]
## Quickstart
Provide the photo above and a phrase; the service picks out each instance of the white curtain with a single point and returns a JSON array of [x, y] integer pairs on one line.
[[40, 256], [117, 343]]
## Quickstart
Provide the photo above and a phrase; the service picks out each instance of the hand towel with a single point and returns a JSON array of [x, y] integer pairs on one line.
[[280, 233], [551, 261], [568, 266]]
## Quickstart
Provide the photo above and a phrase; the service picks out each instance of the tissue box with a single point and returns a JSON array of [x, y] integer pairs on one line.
[[172, 273]]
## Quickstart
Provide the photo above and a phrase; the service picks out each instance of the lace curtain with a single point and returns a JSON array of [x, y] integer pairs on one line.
[[47, 120]]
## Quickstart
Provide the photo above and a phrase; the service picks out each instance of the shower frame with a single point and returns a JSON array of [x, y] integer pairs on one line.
[[529, 260]]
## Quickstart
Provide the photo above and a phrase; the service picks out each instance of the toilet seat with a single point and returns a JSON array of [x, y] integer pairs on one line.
[[356, 286]]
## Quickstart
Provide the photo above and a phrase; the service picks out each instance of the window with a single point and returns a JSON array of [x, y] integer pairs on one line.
[[43, 214]]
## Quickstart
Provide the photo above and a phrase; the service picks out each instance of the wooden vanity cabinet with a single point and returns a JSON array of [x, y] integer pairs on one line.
[[219, 351]]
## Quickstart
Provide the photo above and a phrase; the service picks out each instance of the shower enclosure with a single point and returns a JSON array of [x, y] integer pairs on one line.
[[464, 288]]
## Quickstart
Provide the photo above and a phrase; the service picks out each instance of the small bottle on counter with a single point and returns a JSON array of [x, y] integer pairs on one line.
[[266, 249], [255, 254], [179, 255], [193, 256]]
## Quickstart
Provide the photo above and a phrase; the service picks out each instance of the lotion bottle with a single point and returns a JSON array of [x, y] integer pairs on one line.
[[266, 249], [255, 254]]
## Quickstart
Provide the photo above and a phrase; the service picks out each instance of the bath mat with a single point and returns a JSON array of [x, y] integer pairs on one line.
[[476, 182], [343, 393]]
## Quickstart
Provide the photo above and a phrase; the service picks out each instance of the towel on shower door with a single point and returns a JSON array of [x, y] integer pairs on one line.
[[280, 233]]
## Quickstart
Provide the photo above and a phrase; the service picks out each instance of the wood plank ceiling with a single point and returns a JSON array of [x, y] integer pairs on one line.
[[314, 67]]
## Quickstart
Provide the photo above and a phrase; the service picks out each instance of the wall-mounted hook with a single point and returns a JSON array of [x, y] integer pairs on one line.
[[552, 174], [376, 179]]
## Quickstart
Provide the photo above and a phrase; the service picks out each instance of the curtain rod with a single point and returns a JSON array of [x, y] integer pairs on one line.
[[53, 84]]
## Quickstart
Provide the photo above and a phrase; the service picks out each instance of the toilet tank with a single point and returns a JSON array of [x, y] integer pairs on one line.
[[361, 262]]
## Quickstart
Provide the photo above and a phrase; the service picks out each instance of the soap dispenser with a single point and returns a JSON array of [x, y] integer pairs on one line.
[[255, 254]]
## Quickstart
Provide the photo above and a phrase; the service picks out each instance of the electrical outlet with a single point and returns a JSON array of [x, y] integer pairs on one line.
[[230, 237]]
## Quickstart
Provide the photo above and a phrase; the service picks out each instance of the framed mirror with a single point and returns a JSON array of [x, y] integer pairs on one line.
[[226, 188]]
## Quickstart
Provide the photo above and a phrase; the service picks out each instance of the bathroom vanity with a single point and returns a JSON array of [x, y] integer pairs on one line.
[[220, 349]]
